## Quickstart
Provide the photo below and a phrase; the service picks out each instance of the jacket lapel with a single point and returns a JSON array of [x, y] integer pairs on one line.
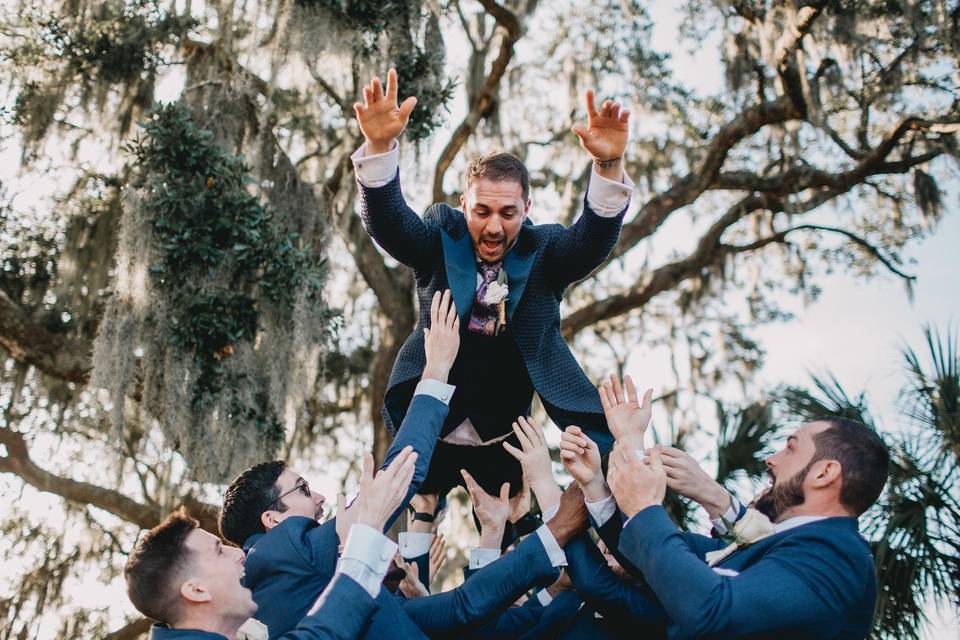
[[461, 266], [517, 264]]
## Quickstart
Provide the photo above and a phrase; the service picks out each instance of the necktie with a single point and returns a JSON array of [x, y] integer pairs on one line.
[[483, 318]]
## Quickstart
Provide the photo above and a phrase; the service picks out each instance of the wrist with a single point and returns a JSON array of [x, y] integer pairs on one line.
[[547, 492], [596, 490], [434, 372], [375, 148], [716, 502], [559, 532], [491, 536], [609, 168]]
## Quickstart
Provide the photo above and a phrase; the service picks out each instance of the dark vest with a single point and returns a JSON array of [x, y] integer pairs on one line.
[[493, 386]]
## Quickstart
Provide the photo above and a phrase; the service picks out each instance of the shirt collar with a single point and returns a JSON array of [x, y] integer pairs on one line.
[[796, 521], [163, 632]]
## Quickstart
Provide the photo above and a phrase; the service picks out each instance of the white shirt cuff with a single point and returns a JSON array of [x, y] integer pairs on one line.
[[439, 390], [731, 515], [414, 544], [479, 558], [376, 170], [602, 510], [549, 512], [366, 557], [544, 598], [554, 552], [606, 197]]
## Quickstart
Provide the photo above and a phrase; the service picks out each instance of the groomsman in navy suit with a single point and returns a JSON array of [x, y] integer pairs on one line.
[[804, 571], [291, 558], [186, 580], [508, 277]]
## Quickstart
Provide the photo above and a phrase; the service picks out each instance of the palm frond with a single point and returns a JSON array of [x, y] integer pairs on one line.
[[831, 399], [931, 399], [743, 439]]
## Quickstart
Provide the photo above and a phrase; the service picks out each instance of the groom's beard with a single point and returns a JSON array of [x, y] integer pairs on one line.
[[782, 495]]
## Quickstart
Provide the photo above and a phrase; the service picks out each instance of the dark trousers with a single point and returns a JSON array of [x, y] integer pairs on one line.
[[490, 465]]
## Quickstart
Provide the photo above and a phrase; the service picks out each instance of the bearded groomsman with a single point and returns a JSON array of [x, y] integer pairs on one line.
[[508, 277]]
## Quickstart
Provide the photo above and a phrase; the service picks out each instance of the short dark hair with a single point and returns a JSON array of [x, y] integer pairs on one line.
[[499, 166], [246, 499], [864, 460], [154, 565]]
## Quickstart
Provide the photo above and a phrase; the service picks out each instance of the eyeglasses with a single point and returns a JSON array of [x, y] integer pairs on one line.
[[301, 485]]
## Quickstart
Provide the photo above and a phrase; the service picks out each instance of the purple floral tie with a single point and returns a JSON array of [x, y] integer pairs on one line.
[[483, 319]]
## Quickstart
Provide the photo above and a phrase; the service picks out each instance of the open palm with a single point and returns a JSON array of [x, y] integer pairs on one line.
[[381, 119], [626, 416], [605, 135]]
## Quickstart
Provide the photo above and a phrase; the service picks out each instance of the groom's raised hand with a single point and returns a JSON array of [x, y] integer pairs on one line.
[[605, 135], [381, 119]]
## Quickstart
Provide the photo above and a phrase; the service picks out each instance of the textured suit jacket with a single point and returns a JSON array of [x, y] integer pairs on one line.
[[290, 565], [815, 580], [543, 262], [341, 613]]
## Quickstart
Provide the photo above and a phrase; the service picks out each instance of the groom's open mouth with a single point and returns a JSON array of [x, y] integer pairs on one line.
[[491, 246]]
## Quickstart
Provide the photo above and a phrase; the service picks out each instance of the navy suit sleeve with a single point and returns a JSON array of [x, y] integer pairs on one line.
[[805, 581], [609, 532], [396, 227], [421, 430], [321, 546], [340, 613], [509, 624], [561, 610], [579, 249], [488, 592], [614, 598]]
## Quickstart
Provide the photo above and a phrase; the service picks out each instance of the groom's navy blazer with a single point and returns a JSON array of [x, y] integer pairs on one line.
[[815, 580], [287, 567], [542, 263]]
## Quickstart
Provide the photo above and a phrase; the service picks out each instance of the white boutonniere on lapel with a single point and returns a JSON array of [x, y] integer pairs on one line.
[[253, 629], [496, 296], [751, 528]]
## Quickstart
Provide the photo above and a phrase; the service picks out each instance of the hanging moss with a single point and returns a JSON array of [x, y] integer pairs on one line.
[[399, 33], [217, 315]]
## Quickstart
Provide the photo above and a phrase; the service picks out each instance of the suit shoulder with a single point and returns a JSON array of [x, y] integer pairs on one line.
[[443, 215]]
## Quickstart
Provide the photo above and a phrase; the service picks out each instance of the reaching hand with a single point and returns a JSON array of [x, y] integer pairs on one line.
[[607, 131], [346, 516], [423, 504], [626, 417], [379, 117], [442, 340], [581, 459], [534, 458], [688, 478], [410, 586], [636, 484], [491, 511], [438, 554], [571, 518], [382, 494]]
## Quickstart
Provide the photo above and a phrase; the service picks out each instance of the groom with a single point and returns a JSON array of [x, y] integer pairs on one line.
[[507, 275]]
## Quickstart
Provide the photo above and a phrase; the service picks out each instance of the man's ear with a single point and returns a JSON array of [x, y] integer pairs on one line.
[[194, 592], [269, 519], [463, 203], [826, 472], [526, 207]]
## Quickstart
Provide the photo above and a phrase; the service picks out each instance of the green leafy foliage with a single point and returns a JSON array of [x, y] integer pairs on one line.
[[220, 248], [121, 41], [417, 75]]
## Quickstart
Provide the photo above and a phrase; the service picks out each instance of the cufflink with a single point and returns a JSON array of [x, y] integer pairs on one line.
[[444, 396]]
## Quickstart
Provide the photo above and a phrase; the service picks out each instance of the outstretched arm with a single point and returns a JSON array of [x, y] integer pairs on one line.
[[386, 216], [585, 245]]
